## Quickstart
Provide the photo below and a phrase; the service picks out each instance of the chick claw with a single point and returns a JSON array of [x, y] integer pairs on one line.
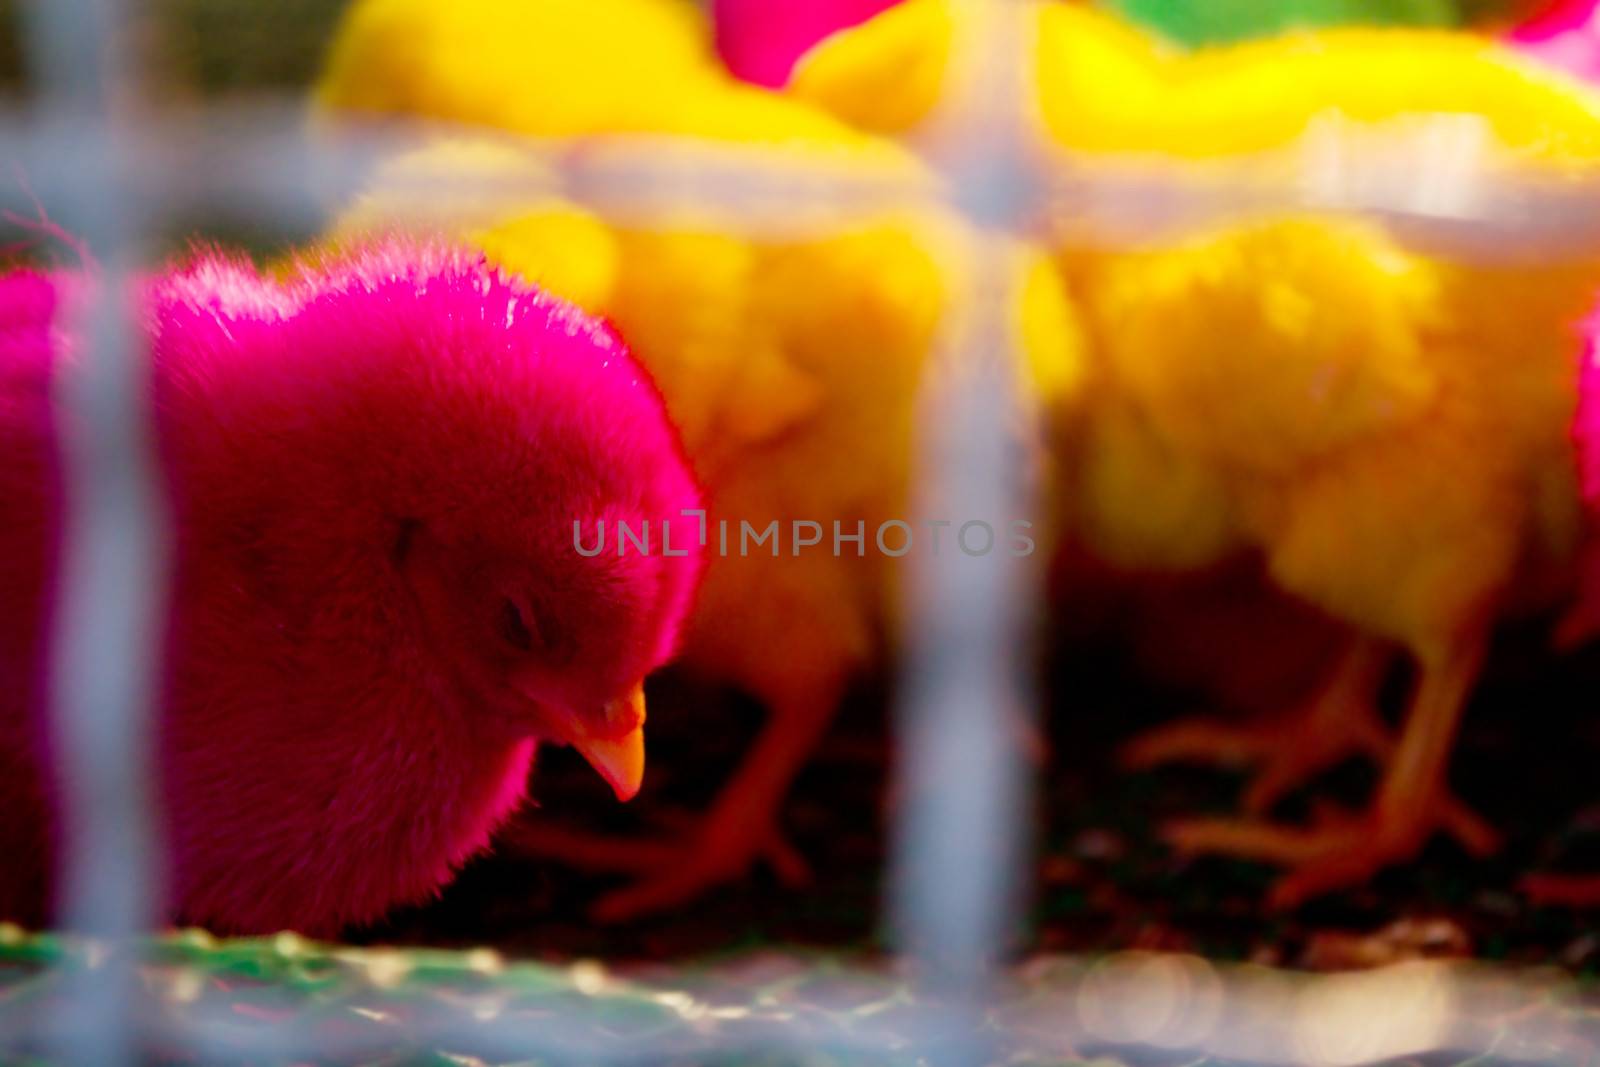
[[1285, 755], [1289, 755], [722, 850], [672, 870], [1339, 721], [1339, 851]]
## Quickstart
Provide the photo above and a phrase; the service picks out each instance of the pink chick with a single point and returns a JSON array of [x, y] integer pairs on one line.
[[378, 609], [761, 40], [1582, 622], [1566, 36]]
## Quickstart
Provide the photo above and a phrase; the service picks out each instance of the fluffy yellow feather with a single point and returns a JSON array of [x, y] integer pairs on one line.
[[1104, 86], [1386, 429], [791, 362], [551, 68]]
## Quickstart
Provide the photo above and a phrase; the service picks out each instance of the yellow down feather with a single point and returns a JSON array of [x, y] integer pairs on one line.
[[1292, 383], [792, 353]]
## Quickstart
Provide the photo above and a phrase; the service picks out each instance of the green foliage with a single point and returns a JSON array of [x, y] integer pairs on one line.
[[1196, 22]]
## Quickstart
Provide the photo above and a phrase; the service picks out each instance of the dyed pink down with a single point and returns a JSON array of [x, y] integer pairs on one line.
[[1567, 36], [1583, 621], [1587, 429], [761, 40], [376, 609]]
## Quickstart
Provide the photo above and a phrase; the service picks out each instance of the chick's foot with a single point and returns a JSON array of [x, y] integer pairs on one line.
[[740, 829], [1339, 850], [724, 848], [742, 824], [649, 857], [1340, 722]]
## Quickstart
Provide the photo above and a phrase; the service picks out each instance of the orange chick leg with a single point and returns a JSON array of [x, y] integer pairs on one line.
[[1412, 803], [588, 851], [1339, 722], [697, 853], [742, 825], [1287, 751]]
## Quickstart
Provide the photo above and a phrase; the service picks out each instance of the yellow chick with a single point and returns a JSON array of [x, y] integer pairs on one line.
[[1387, 430], [1389, 433], [790, 361], [1106, 87], [551, 68]]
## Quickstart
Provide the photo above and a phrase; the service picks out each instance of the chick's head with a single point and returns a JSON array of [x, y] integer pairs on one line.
[[409, 469]]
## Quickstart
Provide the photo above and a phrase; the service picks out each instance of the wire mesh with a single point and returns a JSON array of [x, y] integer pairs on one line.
[[961, 851], [962, 847], [104, 653]]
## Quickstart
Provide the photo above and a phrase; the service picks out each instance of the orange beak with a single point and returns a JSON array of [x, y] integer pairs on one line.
[[618, 752]]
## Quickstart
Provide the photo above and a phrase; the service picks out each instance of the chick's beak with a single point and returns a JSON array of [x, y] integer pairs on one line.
[[616, 750]]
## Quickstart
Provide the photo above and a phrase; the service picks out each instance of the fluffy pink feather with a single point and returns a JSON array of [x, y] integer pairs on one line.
[[761, 40], [377, 607], [1566, 36], [1583, 621]]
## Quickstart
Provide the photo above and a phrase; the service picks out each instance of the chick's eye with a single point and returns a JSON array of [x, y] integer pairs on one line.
[[513, 626]]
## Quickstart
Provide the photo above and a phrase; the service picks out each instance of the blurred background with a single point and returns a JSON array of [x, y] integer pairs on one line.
[[200, 48], [1103, 880]]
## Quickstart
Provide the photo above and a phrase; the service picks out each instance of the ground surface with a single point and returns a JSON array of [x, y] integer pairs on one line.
[[1104, 881], [282, 1000]]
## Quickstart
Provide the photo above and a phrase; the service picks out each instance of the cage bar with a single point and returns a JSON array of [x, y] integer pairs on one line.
[[961, 846], [104, 648]]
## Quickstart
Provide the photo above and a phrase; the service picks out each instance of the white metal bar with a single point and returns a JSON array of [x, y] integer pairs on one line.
[[259, 162], [962, 844], [104, 645]]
